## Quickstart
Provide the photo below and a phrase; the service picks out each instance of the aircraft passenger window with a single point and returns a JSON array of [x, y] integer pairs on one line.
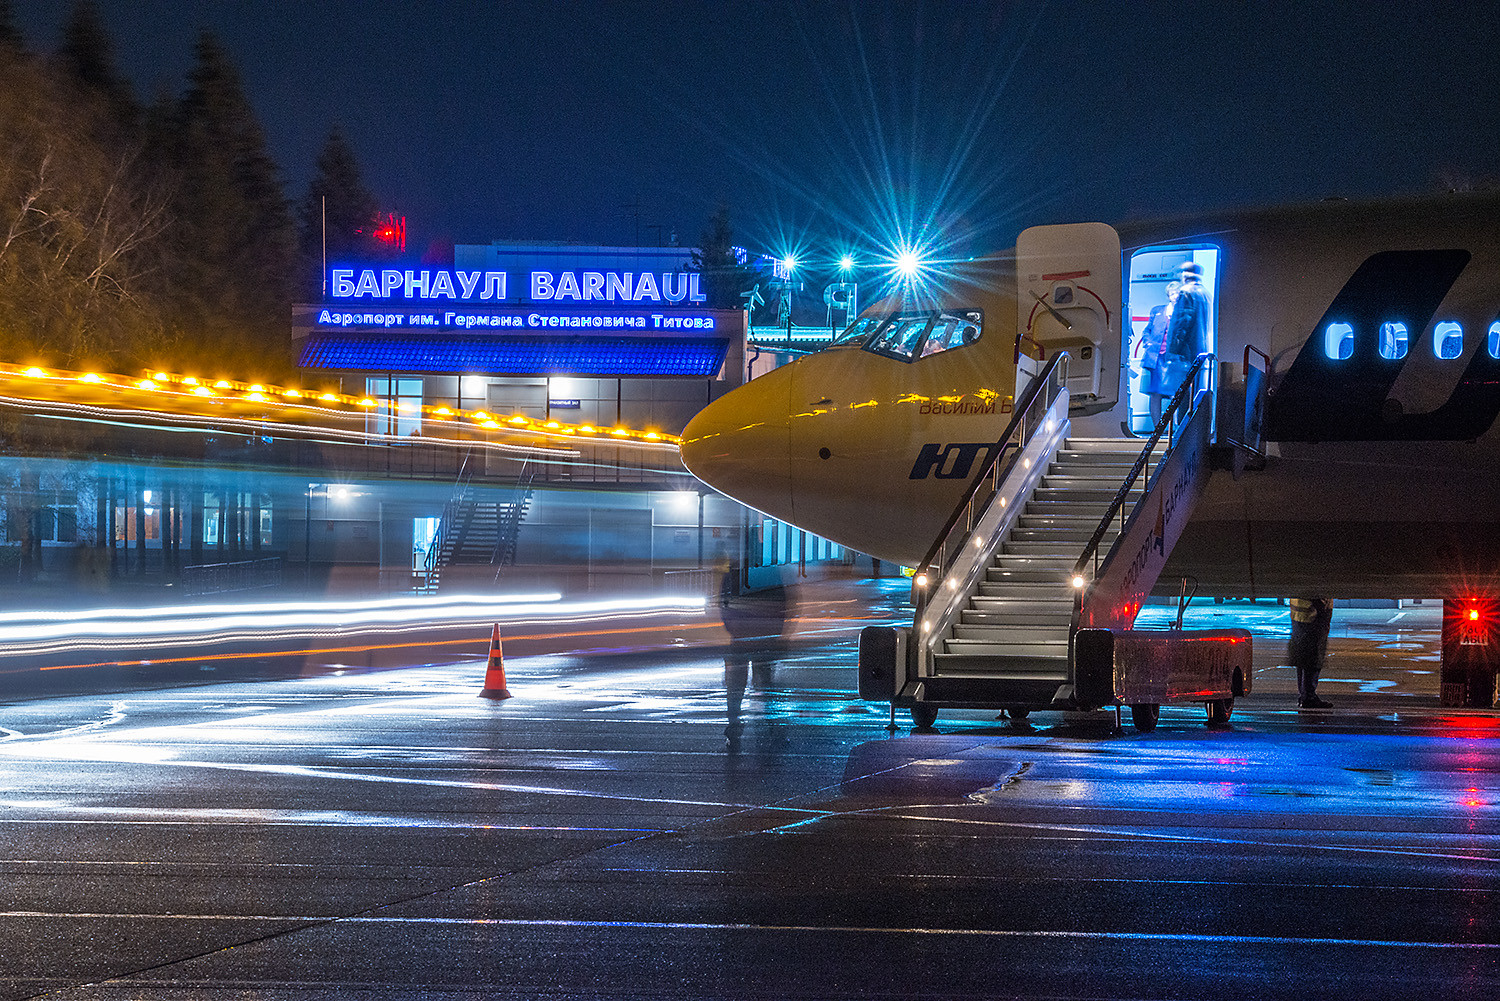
[[1338, 341], [1495, 339], [1393, 340], [1448, 339]]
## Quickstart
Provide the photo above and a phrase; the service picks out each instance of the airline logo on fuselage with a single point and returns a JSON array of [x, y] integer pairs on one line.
[[952, 461]]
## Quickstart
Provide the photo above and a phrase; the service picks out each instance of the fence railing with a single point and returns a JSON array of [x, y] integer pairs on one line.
[[241, 575]]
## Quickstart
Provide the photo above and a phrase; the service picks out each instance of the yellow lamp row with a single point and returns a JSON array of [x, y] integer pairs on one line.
[[258, 393]]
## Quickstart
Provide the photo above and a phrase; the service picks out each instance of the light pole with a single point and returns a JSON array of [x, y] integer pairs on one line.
[[784, 309], [843, 294]]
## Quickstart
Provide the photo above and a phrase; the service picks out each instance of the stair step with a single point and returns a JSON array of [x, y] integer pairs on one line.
[[1052, 588], [1058, 574], [1049, 633], [1026, 542], [1033, 520], [955, 665], [1107, 445], [1089, 477], [1113, 460], [1052, 568], [1016, 620], [1101, 496], [1063, 506], [1020, 603], [1047, 649], [1022, 541]]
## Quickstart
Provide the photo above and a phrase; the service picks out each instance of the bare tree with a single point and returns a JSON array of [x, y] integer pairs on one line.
[[77, 218]]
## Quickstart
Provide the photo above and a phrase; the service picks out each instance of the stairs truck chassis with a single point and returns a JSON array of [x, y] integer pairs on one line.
[[1140, 668]]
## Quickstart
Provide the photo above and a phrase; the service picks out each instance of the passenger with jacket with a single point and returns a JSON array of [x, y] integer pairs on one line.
[[1187, 328], [1152, 345]]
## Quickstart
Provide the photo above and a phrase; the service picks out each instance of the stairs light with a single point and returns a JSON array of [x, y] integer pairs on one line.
[[1078, 580]]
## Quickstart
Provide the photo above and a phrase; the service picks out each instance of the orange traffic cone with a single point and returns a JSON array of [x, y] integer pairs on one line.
[[494, 674]]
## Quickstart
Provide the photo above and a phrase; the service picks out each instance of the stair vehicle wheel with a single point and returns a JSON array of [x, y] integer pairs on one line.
[[1219, 710], [1144, 716], [923, 716], [1014, 713]]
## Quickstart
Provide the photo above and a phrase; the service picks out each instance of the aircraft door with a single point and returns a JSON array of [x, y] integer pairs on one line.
[[1070, 289]]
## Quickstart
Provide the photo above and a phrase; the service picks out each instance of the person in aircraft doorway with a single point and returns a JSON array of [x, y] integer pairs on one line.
[[1152, 345], [1308, 646], [1187, 328]]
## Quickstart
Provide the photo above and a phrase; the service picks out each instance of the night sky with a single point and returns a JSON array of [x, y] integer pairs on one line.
[[826, 125]]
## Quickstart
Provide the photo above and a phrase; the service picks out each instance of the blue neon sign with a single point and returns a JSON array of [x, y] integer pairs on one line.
[[461, 285]]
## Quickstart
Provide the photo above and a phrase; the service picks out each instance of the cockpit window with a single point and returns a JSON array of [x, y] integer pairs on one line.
[[951, 331], [900, 335], [908, 336], [858, 331]]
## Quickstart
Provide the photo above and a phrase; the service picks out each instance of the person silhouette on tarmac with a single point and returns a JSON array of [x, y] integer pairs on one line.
[[1308, 646]]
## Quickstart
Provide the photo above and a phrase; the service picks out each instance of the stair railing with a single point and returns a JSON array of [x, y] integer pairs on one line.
[[1028, 416], [508, 524], [432, 564], [1183, 402]]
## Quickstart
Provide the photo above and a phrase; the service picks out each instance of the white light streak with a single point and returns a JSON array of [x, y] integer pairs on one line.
[[136, 628]]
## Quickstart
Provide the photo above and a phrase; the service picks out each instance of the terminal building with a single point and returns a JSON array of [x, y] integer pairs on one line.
[[603, 337], [582, 335]]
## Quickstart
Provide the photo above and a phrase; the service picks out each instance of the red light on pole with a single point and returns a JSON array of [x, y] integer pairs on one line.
[[391, 231]]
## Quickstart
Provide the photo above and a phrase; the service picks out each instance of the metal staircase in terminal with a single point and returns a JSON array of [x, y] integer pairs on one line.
[[475, 530], [482, 533]]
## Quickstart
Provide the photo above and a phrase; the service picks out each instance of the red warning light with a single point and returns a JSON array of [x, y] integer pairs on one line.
[[390, 230], [1473, 615]]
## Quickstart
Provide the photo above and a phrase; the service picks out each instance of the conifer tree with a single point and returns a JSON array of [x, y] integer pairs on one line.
[[10, 36], [726, 275], [339, 204], [87, 56], [234, 241]]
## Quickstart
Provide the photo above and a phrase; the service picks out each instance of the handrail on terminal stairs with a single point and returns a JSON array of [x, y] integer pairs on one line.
[[1034, 402]]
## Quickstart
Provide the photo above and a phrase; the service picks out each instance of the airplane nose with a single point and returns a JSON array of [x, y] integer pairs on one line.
[[739, 445]]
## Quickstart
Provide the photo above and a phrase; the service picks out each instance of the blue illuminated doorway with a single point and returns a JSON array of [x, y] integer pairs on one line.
[[1150, 275]]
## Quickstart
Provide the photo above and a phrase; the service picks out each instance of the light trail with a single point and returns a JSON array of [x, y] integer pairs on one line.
[[49, 633], [369, 647]]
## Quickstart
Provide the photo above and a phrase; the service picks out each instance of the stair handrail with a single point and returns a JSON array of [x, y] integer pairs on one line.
[[509, 525], [1034, 401], [1187, 392], [444, 527]]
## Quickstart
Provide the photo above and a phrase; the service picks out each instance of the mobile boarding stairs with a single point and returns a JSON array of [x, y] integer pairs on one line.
[[1028, 598]]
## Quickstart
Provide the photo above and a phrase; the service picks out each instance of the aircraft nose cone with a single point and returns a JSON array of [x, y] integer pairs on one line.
[[739, 445]]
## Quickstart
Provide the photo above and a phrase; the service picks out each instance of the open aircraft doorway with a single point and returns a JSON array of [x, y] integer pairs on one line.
[[1154, 281]]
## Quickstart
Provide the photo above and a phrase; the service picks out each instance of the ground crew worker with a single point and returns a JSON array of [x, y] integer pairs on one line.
[[1308, 646]]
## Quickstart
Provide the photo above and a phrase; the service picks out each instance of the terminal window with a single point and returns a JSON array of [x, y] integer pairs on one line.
[[401, 410]]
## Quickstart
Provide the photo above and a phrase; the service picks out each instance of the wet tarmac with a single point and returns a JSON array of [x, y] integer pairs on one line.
[[671, 816]]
